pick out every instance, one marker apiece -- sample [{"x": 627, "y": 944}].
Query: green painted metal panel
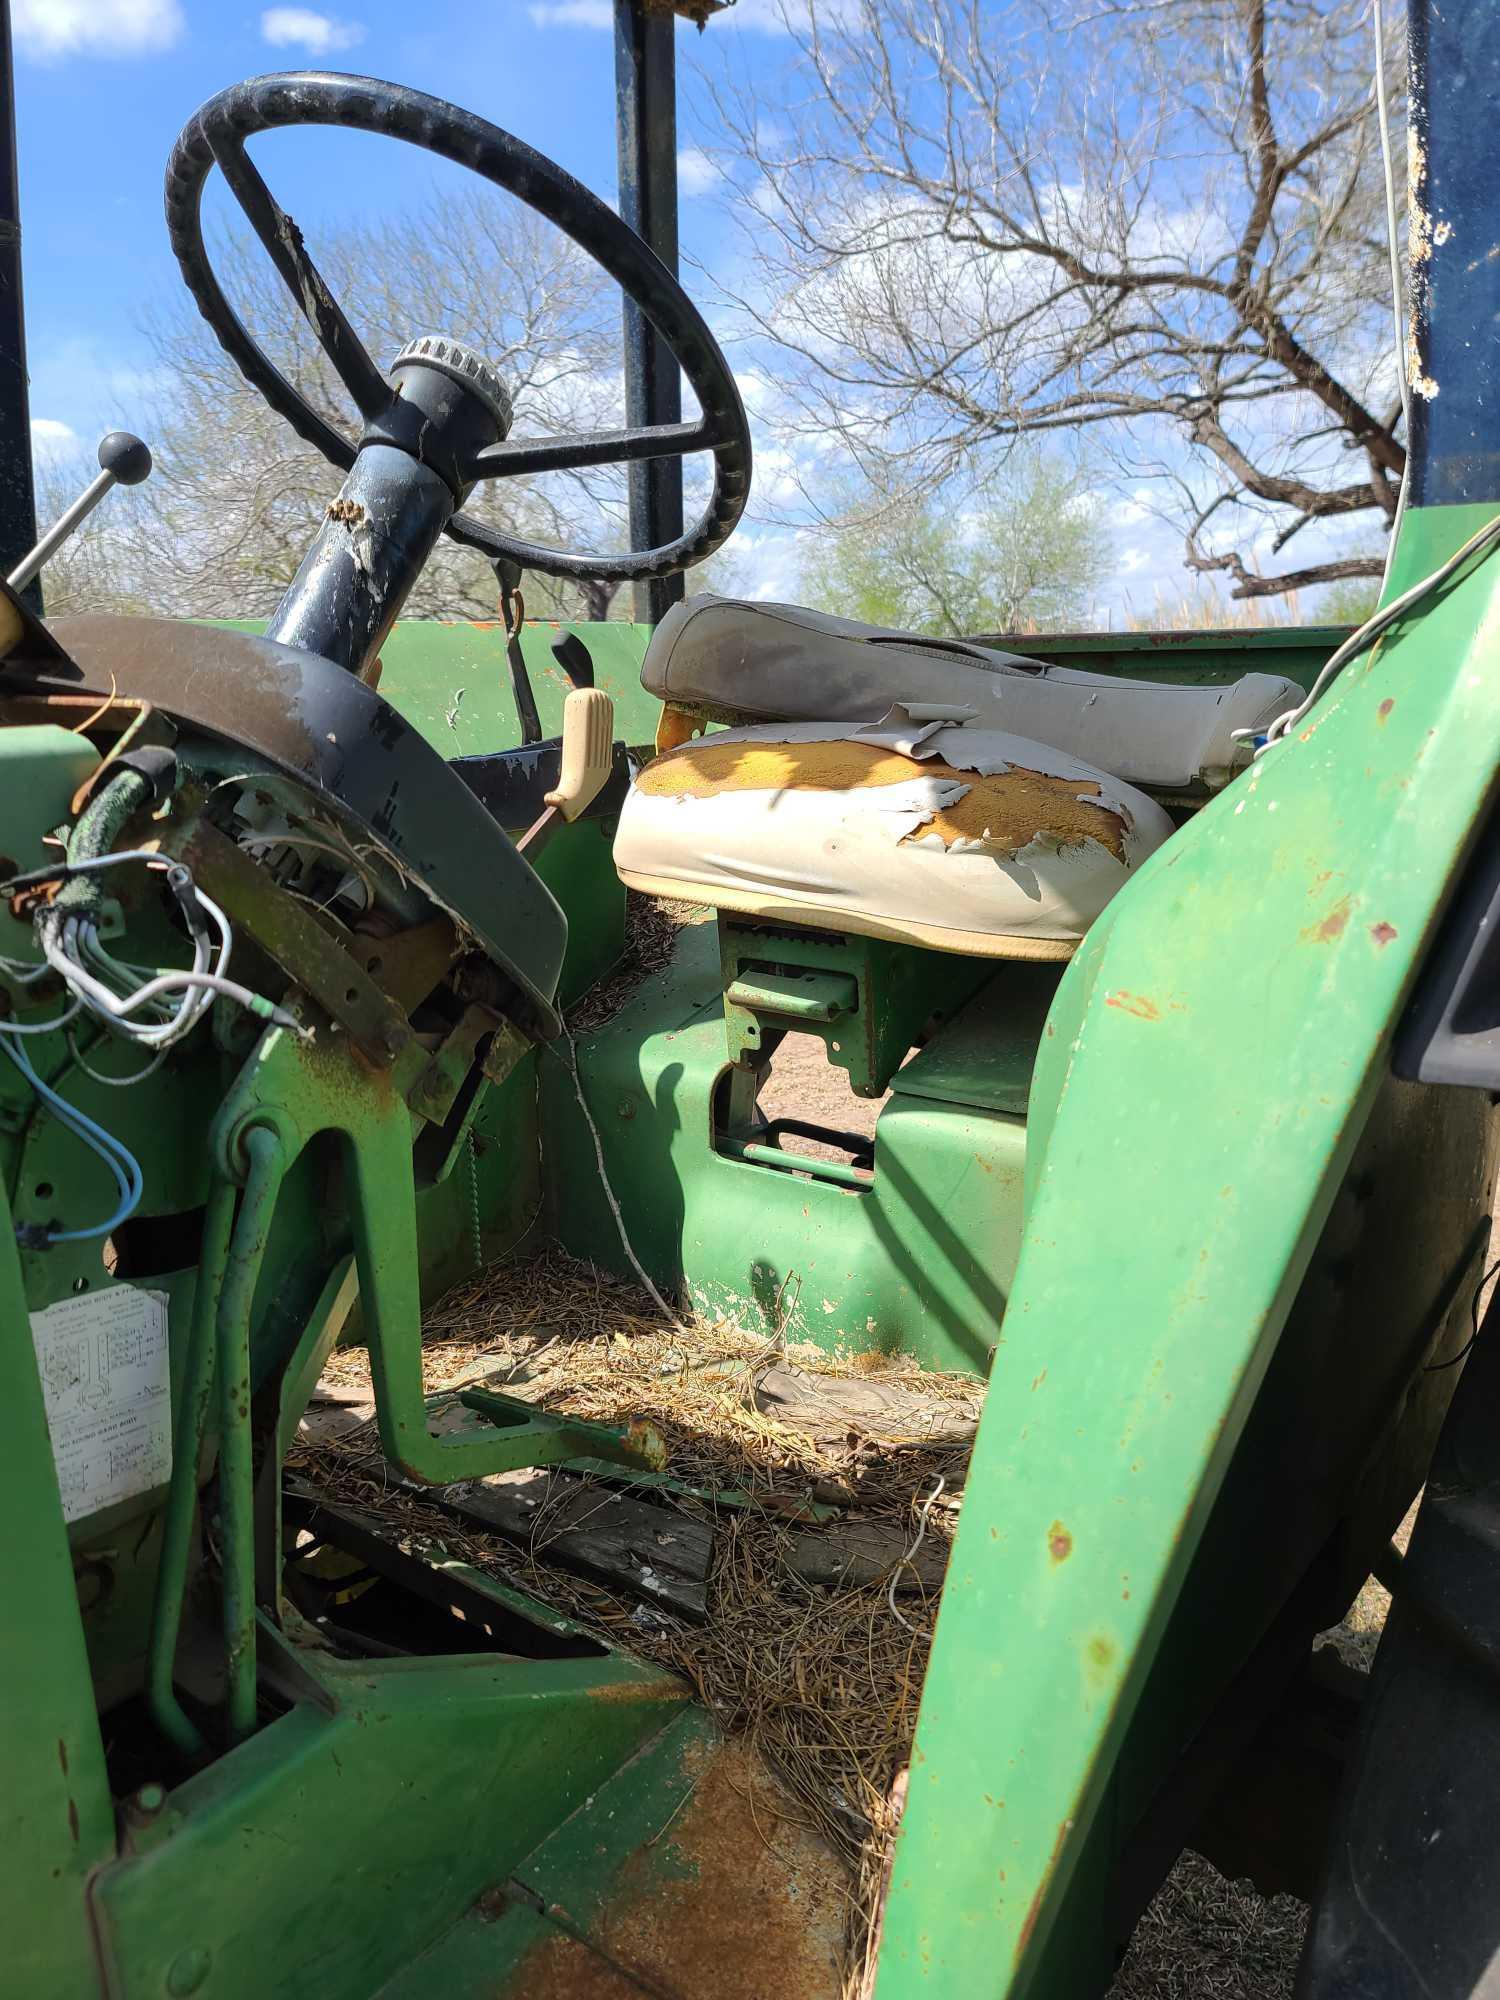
[
  {"x": 56, "y": 1814},
  {"x": 1210, "y": 1065},
  {"x": 986, "y": 1056},
  {"x": 921, "y": 1261},
  {"x": 450, "y": 679},
  {"x": 578, "y": 866},
  {"x": 1209, "y": 657},
  {"x": 334, "y": 1847},
  {"x": 608, "y": 1846}
]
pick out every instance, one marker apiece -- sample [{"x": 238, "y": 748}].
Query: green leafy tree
[{"x": 1025, "y": 552}]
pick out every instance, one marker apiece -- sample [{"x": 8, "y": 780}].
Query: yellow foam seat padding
[{"x": 955, "y": 837}]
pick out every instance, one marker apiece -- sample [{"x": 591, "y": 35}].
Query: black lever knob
[
  {"x": 126, "y": 458},
  {"x": 572, "y": 656}
]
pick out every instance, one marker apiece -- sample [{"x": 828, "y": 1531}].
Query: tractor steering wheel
[{"x": 217, "y": 135}]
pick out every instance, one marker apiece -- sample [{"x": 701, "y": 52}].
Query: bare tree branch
[{"x": 977, "y": 225}]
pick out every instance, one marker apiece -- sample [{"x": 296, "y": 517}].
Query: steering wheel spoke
[
  {"x": 287, "y": 250},
  {"x": 573, "y": 451},
  {"x": 217, "y": 136}
]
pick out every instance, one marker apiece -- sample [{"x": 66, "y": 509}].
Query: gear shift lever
[{"x": 123, "y": 461}]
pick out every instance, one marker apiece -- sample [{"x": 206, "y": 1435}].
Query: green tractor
[{"x": 1172, "y": 975}]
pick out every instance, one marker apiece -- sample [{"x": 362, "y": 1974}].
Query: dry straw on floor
[{"x": 823, "y": 1683}]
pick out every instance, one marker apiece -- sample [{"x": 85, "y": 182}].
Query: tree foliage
[
  {"x": 1026, "y": 553},
  {"x": 1161, "y": 224}
]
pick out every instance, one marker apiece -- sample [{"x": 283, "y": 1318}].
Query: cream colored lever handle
[{"x": 588, "y": 747}]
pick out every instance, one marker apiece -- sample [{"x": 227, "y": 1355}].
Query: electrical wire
[
  {"x": 122, "y": 1163},
  {"x": 43, "y": 1027},
  {"x": 1480, "y": 543},
  {"x": 1437, "y": 1367},
  {"x": 103, "y": 1076},
  {"x": 114, "y": 993}
]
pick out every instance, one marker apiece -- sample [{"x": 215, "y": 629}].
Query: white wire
[
  {"x": 1479, "y": 543},
  {"x": 21, "y": 972},
  {"x": 910, "y": 1556},
  {"x": 42, "y": 1027},
  {"x": 116, "y": 1082},
  {"x": 66, "y": 945},
  {"x": 167, "y": 982}
]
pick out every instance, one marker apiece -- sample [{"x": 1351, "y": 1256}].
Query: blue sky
[{"x": 104, "y": 86}]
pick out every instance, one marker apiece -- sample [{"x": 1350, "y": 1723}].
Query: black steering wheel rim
[{"x": 216, "y": 135}]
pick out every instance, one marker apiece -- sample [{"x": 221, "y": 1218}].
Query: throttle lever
[{"x": 585, "y": 763}]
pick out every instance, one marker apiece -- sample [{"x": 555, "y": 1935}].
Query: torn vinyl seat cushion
[
  {"x": 730, "y": 661},
  {"x": 959, "y": 838}
]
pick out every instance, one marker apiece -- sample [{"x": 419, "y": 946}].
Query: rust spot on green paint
[
  {"x": 1039, "y": 1380},
  {"x": 1042, "y": 1887},
  {"x": 1134, "y": 1003},
  {"x": 1384, "y": 709},
  {"x": 1382, "y": 933},
  {"x": 1333, "y": 925},
  {"x": 1059, "y": 1542},
  {"x": 1102, "y": 1650}
]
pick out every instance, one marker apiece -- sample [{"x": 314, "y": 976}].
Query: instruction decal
[{"x": 107, "y": 1386}]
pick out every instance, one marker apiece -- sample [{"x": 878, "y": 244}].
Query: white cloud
[
  {"x": 696, "y": 172},
  {"x": 51, "y": 438},
  {"x": 573, "y": 14},
  {"x": 52, "y": 29},
  {"x": 302, "y": 28}
]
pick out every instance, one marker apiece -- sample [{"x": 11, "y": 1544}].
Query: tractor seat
[
  {"x": 735, "y": 662},
  {"x": 957, "y": 838}
]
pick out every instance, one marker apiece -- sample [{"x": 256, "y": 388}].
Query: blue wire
[{"x": 121, "y": 1162}]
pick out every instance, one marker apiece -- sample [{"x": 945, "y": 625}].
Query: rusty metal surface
[
  {"x": 320, "y": 724},
  {"x": 299, "y": 943}
]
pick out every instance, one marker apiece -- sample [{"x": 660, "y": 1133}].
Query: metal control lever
[
  {"x": 123, "y": 461},
  {"x": 587, "y": 758},
  {"x": 574, "y": 658}
]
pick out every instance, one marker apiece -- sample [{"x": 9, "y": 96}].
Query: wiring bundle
[{"x": 152, "y": 1007}]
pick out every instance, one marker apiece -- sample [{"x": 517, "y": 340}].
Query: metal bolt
[{"x": 143, "y": 1806}]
